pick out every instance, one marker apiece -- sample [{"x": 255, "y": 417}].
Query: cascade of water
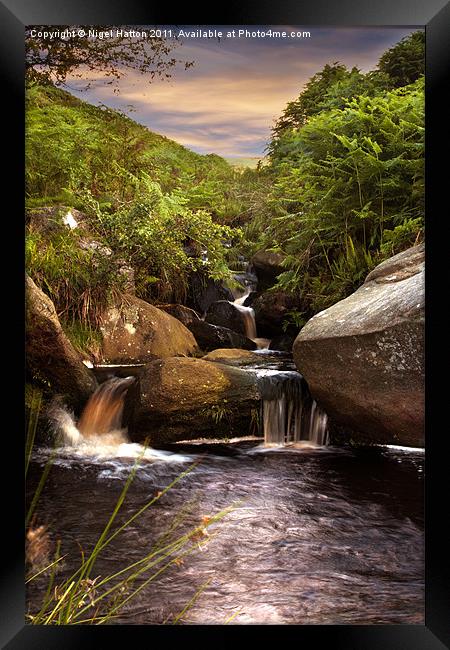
[
  {"x": 249, "y": 281},
  {"x": 289, "y": 414},
  {"x": 101, "y": 417},
  {"x": 248, "y": 316},
  {"x": 103, "y": 411}
]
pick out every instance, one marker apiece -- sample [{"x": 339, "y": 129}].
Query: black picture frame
[{"x": 435, "y": 16}]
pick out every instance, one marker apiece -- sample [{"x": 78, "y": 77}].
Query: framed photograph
[{"x": 226, "y": 353}]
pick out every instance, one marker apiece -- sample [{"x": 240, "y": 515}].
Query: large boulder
[
  {"x": 185, "y": 399},
  {"x": 363, "y": 358},
  {"x": 136, "y": 332},
  {"x": 267, "y": 266},
  {"x": 226, "y": 314},
  {"x": 210, "y": 337},
  {"x": 272, "y": 310},
  {"x": 50, "y": 355}
]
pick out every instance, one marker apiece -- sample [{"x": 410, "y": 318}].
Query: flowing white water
[
  {"x": 99, "y": 435},
  {"x": 100, "y": 424},
  {"x": 113, "y": 445},
  {"x": 249, "y": 281},
  {"x": 289, "y": 414},
  {"x": 248, "y": 316}
]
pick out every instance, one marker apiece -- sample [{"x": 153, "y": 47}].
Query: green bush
[
  {"x": 349, "y": 190},
  {"x": 164, "y": 240},
  {"x": 81, "y": 282}
]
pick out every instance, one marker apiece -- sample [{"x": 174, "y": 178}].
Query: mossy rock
[{"x": 184, "y": 399}]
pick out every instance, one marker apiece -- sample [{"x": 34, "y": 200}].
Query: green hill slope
[{"x": 74, "y": 148}]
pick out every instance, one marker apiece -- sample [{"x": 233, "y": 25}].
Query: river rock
[
  {"x": 210, "y": 337},
  {"x": 252, "y": 296},
  {"x": 363, "y": 358},
  {"x": 272, "y": 310},
  {"x": 203, "y": 291},
  {"x": 181, "y": 313},
  {"x": 283, "y": 343},
  {"x": 267, "y": 266},
  {"x": 50, "y": 355},
  {"x": 135, "y": 332},
  {"x": 226, "y": 314},
  {"x": 232, "y": 357},
  {"x": 185, "y": 399}
]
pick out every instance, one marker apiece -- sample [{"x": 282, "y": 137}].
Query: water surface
[{"x": 318, "y": 536}]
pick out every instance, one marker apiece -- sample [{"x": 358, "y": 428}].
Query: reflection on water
[{"x": 318, "y": 535}]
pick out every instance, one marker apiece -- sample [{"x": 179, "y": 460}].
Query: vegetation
[
  {"x": 347, "y": 175},
  {"x": 83, "y": 599},
  {"x": 151, "y": 205},
  {"x": 342, "y": 188},
  {"x": 54, "y": 57},
  {"x": 352, "y": 192},
  {"x": 405, "y": 62}
]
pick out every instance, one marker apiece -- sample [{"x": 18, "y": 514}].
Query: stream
[{"x": 316, "y": 534}]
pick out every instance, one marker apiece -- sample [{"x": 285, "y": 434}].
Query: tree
[
  {"x": 51, "y": 59},
  {"x": 405, "y": 62},
  {"x": 297, "y": 112}
]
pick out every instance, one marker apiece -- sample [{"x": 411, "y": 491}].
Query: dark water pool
[{"x": 323, "y": 536}]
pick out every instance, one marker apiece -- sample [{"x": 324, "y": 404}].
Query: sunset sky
[{"x": 228, "y": 102}]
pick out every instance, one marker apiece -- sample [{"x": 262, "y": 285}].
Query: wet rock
[
  {"x": 135, "y": 332},
  {"x": 232, "y": 357},
  {"x": 248, "y": 302},
  {"x": 203, "y": 291},
  {"x": 284, "y": 343},
  {"x": 181, "y": 313},
  {"x": 50, "y": 355},
  {"x": 210, "y": 337},
  {"x": 267, "y": 266},
  {"x": 272, "y": 310},
  {"x": 184, "y": 399},
  {"x": 363, "y": 358},
  {"x": 226, "y": 314}
]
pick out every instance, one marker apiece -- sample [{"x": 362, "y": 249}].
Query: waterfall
[
  {"x": 103, "y": 412},
  {"x": 100, "y": 419},
  {"x": 248, "y": 316},
  {"x": 289, "y": 413},
  {"x": 249, "y": 281}
]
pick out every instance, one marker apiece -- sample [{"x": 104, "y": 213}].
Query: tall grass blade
[
  {"x": 193, "y": 600},
  {"x": 35, "y": 407}
]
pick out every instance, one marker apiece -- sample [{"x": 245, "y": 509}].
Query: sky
[{"x": 228, "y": 102}]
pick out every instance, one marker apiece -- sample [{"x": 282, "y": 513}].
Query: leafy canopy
[{"x": 55, "y": 59}]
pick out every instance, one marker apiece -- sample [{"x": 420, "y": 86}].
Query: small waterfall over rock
[
  {"x": 249, "y": 281},
  {"x": 289, "y": 414},
  {"x": 104, "y": 409},
  {"x": 248, "y": 316},
  {"x": 101, "y": 418}
]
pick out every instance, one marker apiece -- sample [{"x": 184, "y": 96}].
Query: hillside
[
  {"x": 241, "y": 162},
  {"x": 74, "y": 147}
]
